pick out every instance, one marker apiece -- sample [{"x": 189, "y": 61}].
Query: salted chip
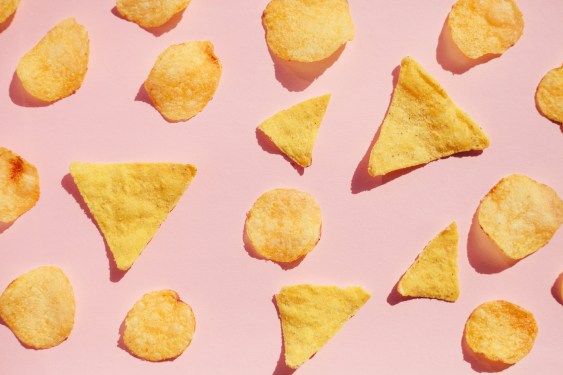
[
  {"x": 423, "y": 124},
  {"x": 481, "y": 27},
  {"x": 284, "y": 225},
  {"x": 57, "y": 65},
  {"x": 307, "y": 30},
  {"x": 159, "y": 326},
  {"x": 184, "y": 79},
  {"x": 7, "y": 8},
  {"x": 130, "y": 201},
  {"x": 39, "y": 307},
  {"x": 549, "y": 95},
  {"x": 150, "y": 13}
]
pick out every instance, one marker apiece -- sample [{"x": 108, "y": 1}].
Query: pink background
[{"x": 373, "y": 228}]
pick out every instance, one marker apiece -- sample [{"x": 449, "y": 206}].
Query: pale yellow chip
[
  {"x": 434, "y": 274},
  {"x": 311, "y": 315},
  {"x": 150, "y": 13},
  {"x": 39, "y": 307},
  {"x": 184, "y": 79},
  {"x": 307, "y": 30},
  {"x": 549, "y": 96},
  {"x": 130, "y": 201},
  {"x": 423, "y": 124},
  {"x": 520, "y": 215},
  {"x": 294, "y": 130},
  {"x": 284, "y": 225},
  {"x": 159, "y": 326},
  {"x": 57, "y": 65},
  {"x": 7, "y": 8},
  {"x": 482, "y": 27}
]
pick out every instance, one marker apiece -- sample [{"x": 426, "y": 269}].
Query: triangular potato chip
[
  {"x": 434, "y": 273},
  {"x": 294, "y": 130},
  {"x": 423, "y": 124},
  {"x": 130, "y": 201},
  {"x": 311, "y": 315}
]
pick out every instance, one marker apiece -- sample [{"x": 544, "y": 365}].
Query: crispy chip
[
  {"x": 311, "y": 315},
  {"x": 549, "y": 96},
  {"x": 481, "y": 27},
  {"x": 284, "y": 225},
  {"x": 184, "y": 79},
  {"x": 39, "y": 307},
  {"x": 130, "y": 201},
  {"x": 56, "y": 66},
  {"x": 150, "y": 13},
  {"x": 159, "y": 326},
  {"x": 423, "y": 124},
  {"x": 307, "y": 30},
  {"x": 294, "y": 130},
  {"x": 434, "y": 273},
  {"x": 7, "y": 8},
  {"x": 520, "y": 215}
]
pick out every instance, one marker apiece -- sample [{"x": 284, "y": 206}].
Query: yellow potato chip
[
  {"x": 57, "y": 65},
  {"x": 520, "y": 215},
  {"x": 130, "y": 201},
  {"x": 501, "y": 331},
  {"x": 7, "y": 8},
  {"x": 159, "y": 326},
  {"x": 284, "y": 225},
  {"x": 423, "y": 124},
  {"x": 307, "y": 30},
  {"x": 549, "y": 96},
  {"x": 481, "y": 27},
  {"x": 434, "y": 273},
  {"x": 184, "y": 79},
  {"x": 150, "y": 13},
  {"x": 294, "y": 130},
  {"x": 311, "y": 315},
  {"x": 39, "y": 307}
]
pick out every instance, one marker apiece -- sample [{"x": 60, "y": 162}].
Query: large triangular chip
[
  {"x": 311, "y": 315},
  {"x": 130, "y": 201},
  {"x": 294, "y": 130},
  {"x": 434, "y": 273},
  {"x": 423, "y": 124}
]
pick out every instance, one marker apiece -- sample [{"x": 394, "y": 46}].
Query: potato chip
[
  {"x": 39, "y": 307},
  {"x": 481, "y": 27},
  {"x": 311, "y": 315},
  {"x": 150, "y": 13},
  {"x": 423, "y": 124},
  {"x": 7, "y": 8},
  {"x": 520, "y": 215},
  {"x": 307, "y": 30},
  {"x": 57, "y": 65},
  {"x": 549, "y": 96},
  {"x": 159, "y": 326},
  {"x": 284, "y": 225},
  {"x": 184, "y": 79},
  {"x": 294, "y": 130},
  {"x": 130, "y": 201},
  {"x": 434, "y": 273}
]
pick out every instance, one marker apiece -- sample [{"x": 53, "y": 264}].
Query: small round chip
[
  {"x": 549, "y": 96},
  {"x": 159, "y": 326},
  {"x": 7, "y": 8},
  {"x": 150, "y": 13},
  {"x": 284, "y": 225}
]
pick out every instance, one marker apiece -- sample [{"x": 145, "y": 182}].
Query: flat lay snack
[
  {"x": 7, "y": 8},
  {"x": 549, "y": 95},
  {"x": 150, "y": 13}
]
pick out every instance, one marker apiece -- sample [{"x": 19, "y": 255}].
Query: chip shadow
[
  {"x": 270, "y": 147},
  {"x": 478, "y": 362},
  {"x": 394, "y": 297},
  {"x": 159, "y": 30},
  {"x": 556, "y": 289},
  {"x": 281, "y": 367},
  {"x": 7, "y": 22},
  {"x": 5, "y": 226},
  {"x": 21, "y": 97}
]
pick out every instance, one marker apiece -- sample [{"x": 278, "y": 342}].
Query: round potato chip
[
  {"x": 481, "y": 27},
  {"x": 549, "y": 96},
  {"x": 150, "y": 13},
  {"x": 159, "y": 326},
  {"x": 7, "y": 8},
  {"x": 307, "y": 30},
  {"x": 284, "y": 225},
  {"x": 184, "y": 79}
]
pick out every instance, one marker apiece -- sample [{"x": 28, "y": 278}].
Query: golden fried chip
[
  {"x": 423, "y": 124},
  {"x": 520, "y": 215},
  {"x": 7, "y": 8},
  {"x": 434, "y": 273},
  {"x": 184, "y": 79},
  {"x": 284, "y": 225},
  {"x": 150, "y": 13},
  {"x": 481, "y": 27},
  {"x": 130, "y": 201},
  {"x": 159, "y": 326},
  {"x": 501, "y": 331},
  {"x": 294, "y": 130},
  {"x": 311, "y": 315},
  {"x": 39, "y": 307},
  {"x": 549, "y": 96},
  {"x": 56, "y": 66},
  {"x": 307, "y": 30}
]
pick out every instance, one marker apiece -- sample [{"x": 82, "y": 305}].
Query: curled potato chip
[
  {"x": 284, "y": 225},
  {"x": 150, "y": 13},
  {"x": 57, "y": 65},
  {"x": 307, "y": 30},
  {"x": 549, "y": 96},
  {"x": 159, "y": 326},
  {"x": 39, "y": 307},
  {"x": 7, "y": 8}
]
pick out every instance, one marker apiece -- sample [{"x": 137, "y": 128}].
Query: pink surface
[{"x": 373, "y": 228}]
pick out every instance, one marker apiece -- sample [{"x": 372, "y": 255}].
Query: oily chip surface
[
  {"x": 7, "y": 8},
  {"x": 150, "y": 13},
  {"x": 549, "y": 95}
]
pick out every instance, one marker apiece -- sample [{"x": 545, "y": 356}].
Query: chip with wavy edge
[
  {"x": 150, "y": 13},
  {"x": 549, "y": 95},
  {"x": 7, "y": 8}
]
